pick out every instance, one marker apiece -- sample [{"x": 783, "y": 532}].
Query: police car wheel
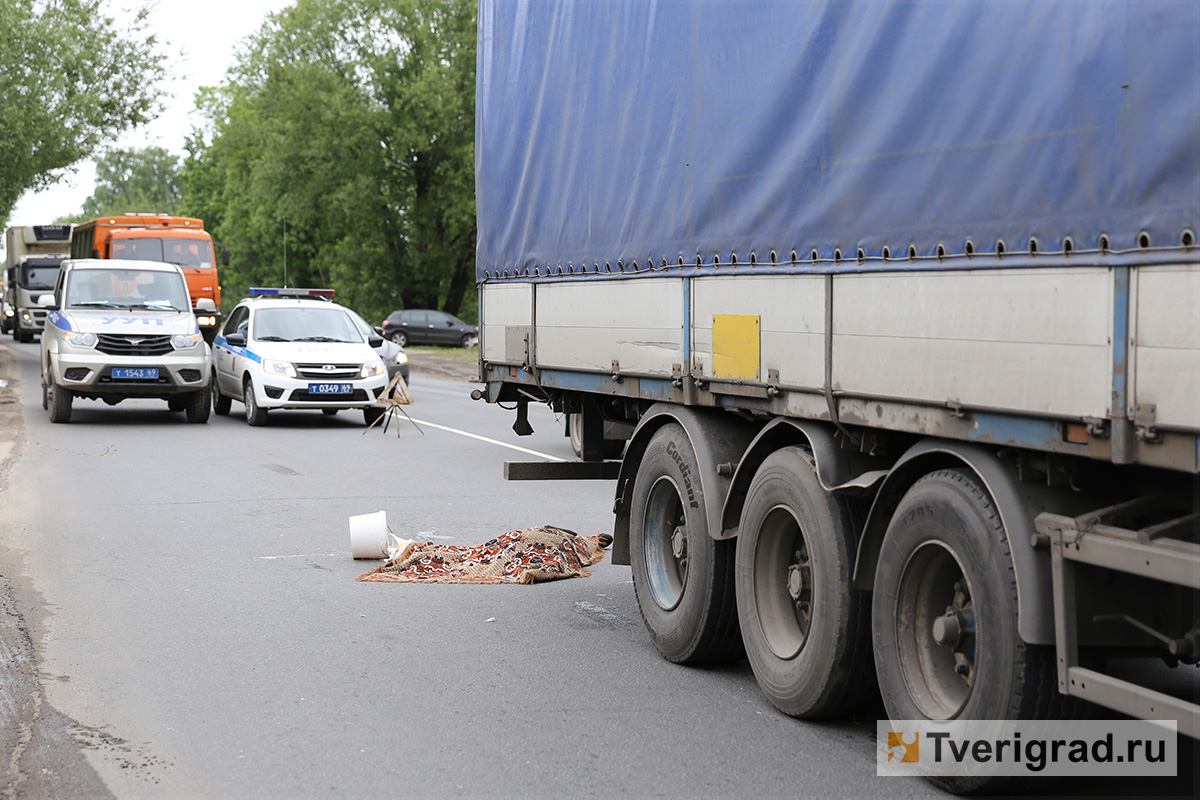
[
  {"x": 60, "y": 402},
  {"x": 329, "y": 412},
  {"x": 254, "y": 414},
  {"x": 199, "y": 404},
  {"x": 221, "y": 403},
  {"x": 176, "y": 404}
]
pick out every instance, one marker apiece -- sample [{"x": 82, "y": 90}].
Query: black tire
[
  {"x": 254, "y": 414},
  {"x": 221, "y": 403},
  {"x": 613, "y": 448},
  {"x": 575, "y": 432},
  {"x": 372, "y": 413},
  {"x": 176, "y": 404},
  {"x": 23, "y": 336},
  {"x": 329, "y": 412},
  {"x": 198, "y": 405},
  {"x": 682, "y": 577},
  {"x": 45, "y": 395},
  {"x": 59, "y": 400},
  {"x": 399, "y": 337},
  {"x": 945, "y": 557},
  {"x": 806, "y": 629}
]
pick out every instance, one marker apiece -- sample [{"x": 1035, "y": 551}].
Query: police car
[
  {"x": 295, "y": 348},
  {"x": 120, "y": 329}
]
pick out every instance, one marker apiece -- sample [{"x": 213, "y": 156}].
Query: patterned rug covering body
[{"x": 527, "y": 555}]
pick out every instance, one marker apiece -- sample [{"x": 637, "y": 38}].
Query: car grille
[
  {"x": 302, "y": 395},
  {"x": 339, "y": 371},
  {"x": 116, "y": 345}
]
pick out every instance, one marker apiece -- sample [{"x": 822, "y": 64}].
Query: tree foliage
[
  {"x": 134, "y": 180},
  {"x": 352, "y": 122},
  {"x": 71, "y": 78}
]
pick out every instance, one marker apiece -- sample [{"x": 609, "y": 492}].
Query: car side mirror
[
  {"x": 225, "y": 257},
  {"x": 237, "y": 339},
  {"x": 205, "y": 304},
  {"x": 46, "y": 301},
  {"x": 375, "y": 341}
]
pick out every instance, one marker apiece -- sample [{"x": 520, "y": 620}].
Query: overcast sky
[{"x": 199, "y": 40}]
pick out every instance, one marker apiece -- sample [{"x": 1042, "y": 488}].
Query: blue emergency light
[{"x": 289, "y": 292}]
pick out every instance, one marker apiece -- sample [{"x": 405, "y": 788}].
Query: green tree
[
  {"x": 352, "y": 121},
  {"x": 134, "y": 180},
  {"x": 71, "y": 78}
]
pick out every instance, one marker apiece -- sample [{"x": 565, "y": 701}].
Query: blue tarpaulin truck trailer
[{"x": 899, "y": 304}]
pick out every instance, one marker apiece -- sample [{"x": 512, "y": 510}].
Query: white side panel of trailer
[
  {"x": 1166, "y": 351},
  {"x": 505, "y": 306},
  {"x": 1028, "y": 340},
  {"x": 586, "y": 325},
  {"x": 791, "y": 309}
]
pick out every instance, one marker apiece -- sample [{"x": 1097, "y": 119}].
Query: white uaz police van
[{"x": 120, "y": 329}]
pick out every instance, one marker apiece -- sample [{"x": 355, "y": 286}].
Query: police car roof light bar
[{"x": 265, "y": 291}]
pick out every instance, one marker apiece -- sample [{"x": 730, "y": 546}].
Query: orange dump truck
[{"x": 159, "y": 237}]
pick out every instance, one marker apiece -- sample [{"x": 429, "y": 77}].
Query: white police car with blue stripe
[{"x": 295, "y": 348}]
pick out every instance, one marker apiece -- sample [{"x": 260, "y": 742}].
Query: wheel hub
[
  {"x": 795, "y": 581},
  {"x": 955, "y": 631},
  {"x": 947, "y": 629},
  {"x": 679, "y": 543},
  {"x": 937, "y": 650}
]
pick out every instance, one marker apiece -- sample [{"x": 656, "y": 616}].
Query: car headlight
[
  {"x": 401, "y": 357},
  {"x": 85, "y": 340},
  {"x": 206, "y": 321},
  {"x": 8, "y": 312},
  {"x": 186, "y": 341},
  {"x": 371, "y": 368},
  {"x": 278, "y": 368}
]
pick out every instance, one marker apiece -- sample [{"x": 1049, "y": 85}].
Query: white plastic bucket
[{"x": 369, "y": 535}]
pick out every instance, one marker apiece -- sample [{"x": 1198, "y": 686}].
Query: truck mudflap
[{"x": 1166, "y": 551}]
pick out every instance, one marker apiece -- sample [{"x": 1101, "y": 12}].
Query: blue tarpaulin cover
[{"x": 619, "y": 134}]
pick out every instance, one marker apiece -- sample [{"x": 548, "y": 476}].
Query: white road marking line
[
  {"x": 311, "y": 555},
  {"x": 486, "y": 439}
]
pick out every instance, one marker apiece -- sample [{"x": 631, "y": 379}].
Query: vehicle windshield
[
  {"x": 294, "y": 324},
  {"x": 363, "y": 327},
  {"x": 127, "y": 288},
  {"x": 187, "y": 253},
  {"x": 39, "y": 274}
]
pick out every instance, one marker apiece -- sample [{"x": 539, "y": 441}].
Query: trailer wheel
[
  {"x": 60, "y": 401},
  {"x": 612, "y": 447},
  {"x": 945, "y": 616},
  {"x": 682, "y": 577},
  {"x": 805, "y": 628}
]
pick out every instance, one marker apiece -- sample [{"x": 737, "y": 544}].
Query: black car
[{"x": 428, "y": 326}]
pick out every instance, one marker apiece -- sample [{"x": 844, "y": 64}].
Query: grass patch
[{"x": 467, "y": 355}]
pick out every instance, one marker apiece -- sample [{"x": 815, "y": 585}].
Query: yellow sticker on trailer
[{"x": 736, "y": 346}]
